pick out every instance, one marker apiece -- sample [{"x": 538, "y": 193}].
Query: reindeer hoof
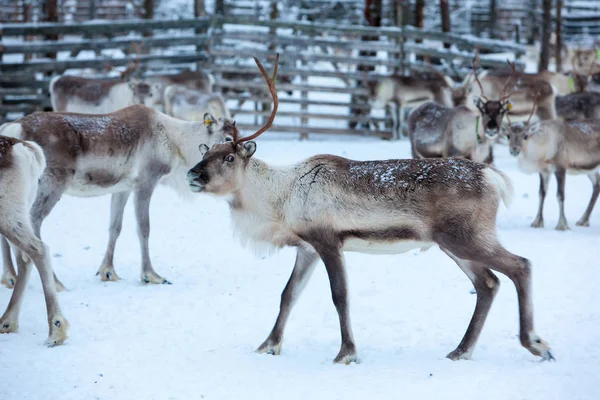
[
  {"x": 58, "y": 331},
  {"x": 153, "y": 277},
  {"x": 107, "y": 273},
  {"x": 459, "y": 354},
  {"x": 7, "y": 326},
  {"x": 269, "y": 347},
  {"x": 346, "y": 355},
  {"x": 583, "y": 223},
  {"x": 537, "y": 224},
  {"x": 539, "y": 347},
  {"x": 562, "y": 227},
  {"x": 8, "y": 280}
]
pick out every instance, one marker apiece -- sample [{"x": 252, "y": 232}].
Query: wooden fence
[{"x": 318, "y": 67}]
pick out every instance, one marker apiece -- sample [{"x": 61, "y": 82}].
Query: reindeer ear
[
  {"x": 247, "y": 149},
  {"x": 203, "y": 149},
  {"x": 478, "y": 103},
  {"x": 209, "y": 120}
]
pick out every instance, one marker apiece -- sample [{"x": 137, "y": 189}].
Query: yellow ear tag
[
  {"x": 509, "y": 106},
  {"x": 207, "y": 122}
]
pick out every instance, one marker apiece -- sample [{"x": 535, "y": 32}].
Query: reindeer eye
[{"x": 229, "y": 158}]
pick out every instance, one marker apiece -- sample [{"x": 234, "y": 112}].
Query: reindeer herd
[{"x": 128, "y": 135}]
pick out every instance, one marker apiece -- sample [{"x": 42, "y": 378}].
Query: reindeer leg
[
  {"x": 306, "y": 259},
  {"x": 485, "y": 250},
  {"x": 9, "y": 276},
  {"x": 49, "y": 193},
  {"x": 486, "y": 286},
  {"x": 560, "y": 195},
  {"x": 539, "y": 219},
  {"x": 31, "y": 248},
  {"x": 9, "y": 322},
  {"x": 117, "y": 207},
  {"x": 142, "y": 199},
  {"x": 585, "y": 219},
  {"x": 333, "y": 258}
]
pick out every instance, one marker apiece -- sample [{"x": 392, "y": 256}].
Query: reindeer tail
[{"x": 501, "y": 183}]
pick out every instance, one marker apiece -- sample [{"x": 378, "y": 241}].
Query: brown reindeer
[
  {"x": 22, "y": 164},
  {"x": 582, "y": 104},
  {"x": 131, "y": 150},
  {"x": 326, "y": 205},
  {"x": 439, "y": 131},
  {"x": 494, "y": 82},
  {"x": 560, "y": 147}
]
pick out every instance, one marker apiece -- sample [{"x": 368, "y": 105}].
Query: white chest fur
[{"x": 371, "y": 247}]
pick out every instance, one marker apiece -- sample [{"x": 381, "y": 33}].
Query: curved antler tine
[
  {"x": 271, "y": 83},
  {"x": 503, "y": 95},
  {"x": 534, "y": 99},
  {"x": 475, "y": 64},
  {"x": 236, "y": 133}
]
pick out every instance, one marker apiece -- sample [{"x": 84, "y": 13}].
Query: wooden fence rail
[{"x": 318, "y": 73}]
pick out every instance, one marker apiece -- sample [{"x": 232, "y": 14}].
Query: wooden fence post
[
  {"x": 445, "y": 13},
  {"x": 546, "y": 32},
  {"x": 559, "y": 43}
]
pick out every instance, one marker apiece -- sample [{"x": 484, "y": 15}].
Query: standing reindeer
[
  {"x": 398, "y": 91},
  {"x": 21, "y": 166},
  {"x": 131, "y": 150},
  {"x": 193, "y": 80},
  {"x": 582, "y": 104},
  {"x": 439, "y": 131},
  {"x": 101, "y": 96},
  {"x": 326, "y": 205},
  {"x": 527, "y": 86},
  {"x": 558, "y": 147}
]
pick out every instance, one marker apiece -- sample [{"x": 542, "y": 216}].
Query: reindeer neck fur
[{"x": 257, "y": 207}]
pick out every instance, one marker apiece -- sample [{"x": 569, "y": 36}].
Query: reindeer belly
[
  {"x": 96, "y": 180},
  {"x": 384, "y": 247}
]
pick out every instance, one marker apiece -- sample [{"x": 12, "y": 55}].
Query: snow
[{"x": 195, "y": 339}]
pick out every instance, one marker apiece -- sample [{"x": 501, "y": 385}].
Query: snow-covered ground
[{"x": 195, "y": 339}]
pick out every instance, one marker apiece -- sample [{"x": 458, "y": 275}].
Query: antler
[
  {"x": 475, "y": 64},
  {"x": 534, "y": 99},
  {"x": 131, "y": 68},
  {"x": 503, "y": 95},
  {"x": 271, "y": 83}
]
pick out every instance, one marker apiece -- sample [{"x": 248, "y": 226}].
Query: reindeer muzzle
[{"x": 196, "y": 181}]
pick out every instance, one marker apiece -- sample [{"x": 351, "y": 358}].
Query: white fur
[
  {"x": 363, "y": 246},
  {"x": 501, "y": 183}
]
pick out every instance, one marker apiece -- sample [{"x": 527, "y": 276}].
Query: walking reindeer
[
  {"x": 439, "y": 131},
  {"x": 131, "y": 150},
  {"x": 22, "y": 164},
  {"x": 558, "y": 147},
  {"x": 326, "y": 205}
]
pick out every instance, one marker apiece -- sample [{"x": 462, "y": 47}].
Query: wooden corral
[{"x": 311, "y": 54}]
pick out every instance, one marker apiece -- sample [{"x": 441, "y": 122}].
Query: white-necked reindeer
[
  {"x": 439, "y": 131},
  {"x": 326, "y": 205},
  {"x": 398, "y": 91},
  {"x": 558, "y": 147},
  {"x": 191, "y": 105},
  {"x": 131, "y": 150},
  {"x": 582, "y": 104},
  {"x": 22, "y": 164}
]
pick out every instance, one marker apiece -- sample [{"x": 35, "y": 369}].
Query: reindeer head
[
  {"x": 518, "y": 133},
  {"x": 221, "y": 170},
  {"x": 144, "y": 92},
  {"x": 493, "y": 111}
]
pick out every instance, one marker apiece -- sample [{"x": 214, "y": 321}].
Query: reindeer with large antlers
[
  {"x": 327, "y": 204},
  {"x": 439, "y": 131},
  {"x": 560, "y": 147},
  {"x": 524, "y": 86}
]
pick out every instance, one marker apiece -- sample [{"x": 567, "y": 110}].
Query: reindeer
[
  {"x": 130, "y": 150},
  {"x": 101, "y": 96},
  {"x": 527, "y": 85},
  {"x": 560, "y": 147},
  {"x": 22, "y": 164},
  {"x": 439, "y": 131},
  {"x": 398, "y": 91},
  {"x": 326, "y": 205},
  {"x": 191, "y": 105},
  {"x": 582, "y": 104}
]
